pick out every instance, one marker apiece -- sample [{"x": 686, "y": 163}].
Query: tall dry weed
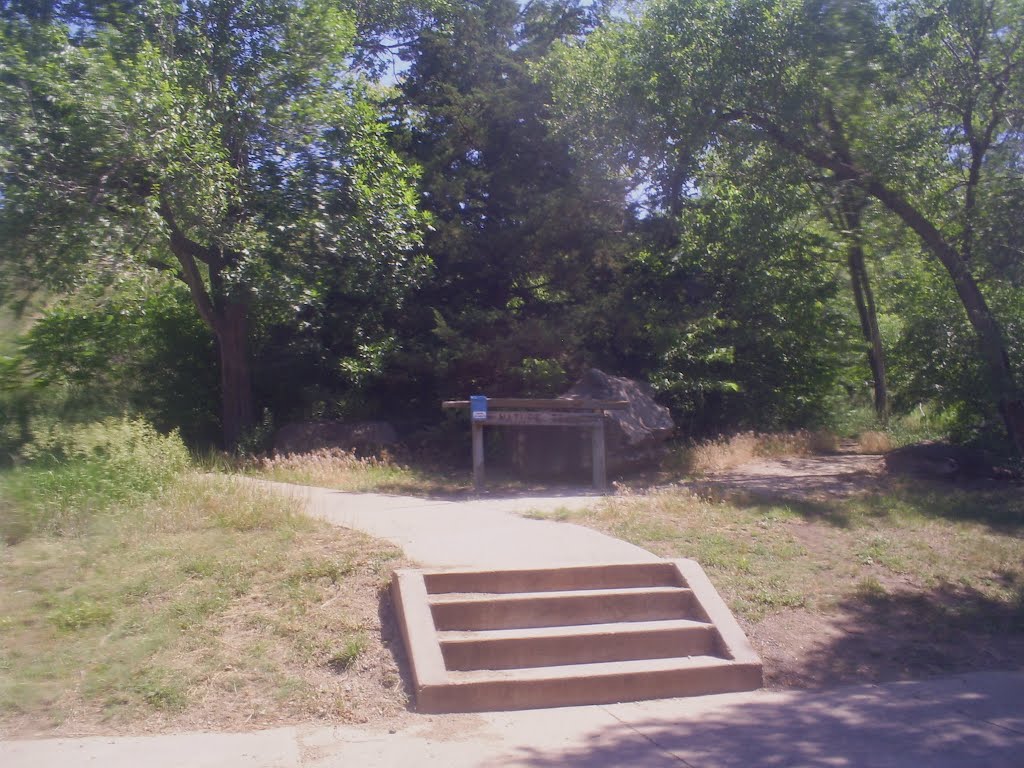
[
  {"x": 874, "y": 443},
  {"x": 331, "y": 467},
  {"x": 727, "y": 453}
]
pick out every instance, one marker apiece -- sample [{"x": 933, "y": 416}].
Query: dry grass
[
  {"x": 344, "y": 471},
  {"x": 730, "y": 452},
  {"x": 914, "y": 581},
  {"x": 874, "y": 443},
  {"x": 213, "y": 606},
  {"x": 766, "y": 554}
]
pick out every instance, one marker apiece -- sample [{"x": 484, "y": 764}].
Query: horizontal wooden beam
[
  {"x": 544, "y": 404},
  {"x": 540, "y": 419}
]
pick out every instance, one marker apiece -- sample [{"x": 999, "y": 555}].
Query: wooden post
[
  {"x": 597, "y": 455},
  {"x": 478, "y": 456}
]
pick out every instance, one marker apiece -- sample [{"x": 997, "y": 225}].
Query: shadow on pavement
[{"x": 905, "y": 725}]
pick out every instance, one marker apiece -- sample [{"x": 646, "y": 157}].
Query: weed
[
  {"x": 315, "y": 570},
  {"x": 879, "y": 551},
  {"x": 729, "y": 452},
  {"x": 160, "y": 688},
  {"x": 343, "y": 470},
  {"x": 873, "y": 443},
  {"x": 354, "y": 647},
  {"x": 75, "y": 473},
  {"x": 870, "y": 588},
  {"x": 81, "y": 612}
]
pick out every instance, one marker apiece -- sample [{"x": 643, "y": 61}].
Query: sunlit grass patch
[
  {"x": 213, "y": 602},
  {"x": 72, "y": 473},
  {"x": 726, "y": 453},
  {"x": 767, "y": 557},
  {"x": 345, "y": 471}
]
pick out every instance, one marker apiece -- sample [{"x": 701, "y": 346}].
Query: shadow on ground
[
  {"x": 955, "y": 723},
  {"x": 391, "y": 637},
  {"x": 996, "y": 504},
  {"x": 903, "y": 635}
]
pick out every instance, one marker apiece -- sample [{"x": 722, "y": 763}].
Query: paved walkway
[
  {"x": 964, "y": 721},
  {"x": 489, "y": 532}
]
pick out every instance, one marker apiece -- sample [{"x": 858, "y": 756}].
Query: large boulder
[
  {"x": 634, "y": 437},
  {"x": 363, "y": 437}
]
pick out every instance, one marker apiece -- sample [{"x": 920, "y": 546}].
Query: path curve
[{"x": 475, "y": 533}]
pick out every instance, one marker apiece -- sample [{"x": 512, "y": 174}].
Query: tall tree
[
  {"x": 224, "y": 142},
  {"x": 844, "y": 209},
  {"x": 906, "y": 102},
  {"x": 524, "y": 241}
]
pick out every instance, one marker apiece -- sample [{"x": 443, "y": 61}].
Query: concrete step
[
  {"x": 589, "y": 643},
  {"x": 614, "y": 576},
  {"x": 486, "y": 640},
  {"x": 579, "y": 684},
  {"x": 462, "y": 611}
]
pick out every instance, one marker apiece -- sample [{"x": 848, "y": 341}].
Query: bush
[
  {"x": 138, "y": 348},
  {"x": 73, "y": 472}
]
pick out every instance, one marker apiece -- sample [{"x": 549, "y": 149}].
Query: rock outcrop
[{"x": 634, "y": 437}]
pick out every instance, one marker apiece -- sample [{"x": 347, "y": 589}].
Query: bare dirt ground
[
  {"x": 910, "y": 630},
  {"x": 803, "y": 477}
]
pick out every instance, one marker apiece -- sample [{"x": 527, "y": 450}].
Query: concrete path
[
  {"x": 971, "y": 721},
  {"x": 479, "y": 533},
  {"x": 964, "y": 721}
]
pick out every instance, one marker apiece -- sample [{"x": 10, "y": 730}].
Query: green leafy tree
[
  {"x": 910, "y": 103},
  {"x": 526, "y": 243},
  {"x": 745, "y": 327},
  {"x": 226, "y": 143},
  {"x": 137, "y": 346}
]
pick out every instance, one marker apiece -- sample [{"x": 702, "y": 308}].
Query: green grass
[
  {"x": 922, "y": 423},
  {"x": 12, "y": 325},
  {"x": 774, "y": 555},
  {"x": 74, "y": 473},
  {"x": 202, "y": 600}
]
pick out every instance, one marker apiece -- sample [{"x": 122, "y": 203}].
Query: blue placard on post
[{"x": 478, "y": 407}]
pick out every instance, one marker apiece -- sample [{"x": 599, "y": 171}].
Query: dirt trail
[{"x": 810, "y": 477}]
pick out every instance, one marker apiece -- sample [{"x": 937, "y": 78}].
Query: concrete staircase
[{"x": 519, "y": 639}]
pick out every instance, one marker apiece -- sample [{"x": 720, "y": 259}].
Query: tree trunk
[
  {"x": 986, "y": 327},
  {"x": 864, "y": 298},
  {"x": 229, "y": 322},
  {"x": 1013, "y": 416},
  {"x": 232, "y": 331}
]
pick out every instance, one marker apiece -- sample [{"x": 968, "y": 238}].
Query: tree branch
[{"x": 186, "y": 251}]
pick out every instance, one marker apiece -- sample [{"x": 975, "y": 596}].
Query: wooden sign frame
[{"x": 523, "y": 412}]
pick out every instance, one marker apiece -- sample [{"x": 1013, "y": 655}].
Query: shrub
[{"x": 73, "y": 472}]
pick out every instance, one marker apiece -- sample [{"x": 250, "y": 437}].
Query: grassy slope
[
  {"x": 915, "y": 581},
  {"x": 209, "y": 605}
]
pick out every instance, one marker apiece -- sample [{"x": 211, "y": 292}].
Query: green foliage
[
  {"x": 938, "y": 356},
  {"x": 756, "y": 339},
  {"x": 138, "y": 347},
  {"x": 344, "y": 658},
  {"x": 227, "y": 144},
  {"x": 72, "y": 473},
  {"x": 916, "y": 104},
  {"x": 525, "y": 243},
  {"x": 546, "y": 186}
]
